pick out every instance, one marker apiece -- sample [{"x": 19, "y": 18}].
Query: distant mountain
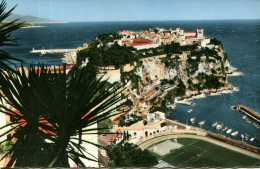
[{"x": 27, "y": 18}]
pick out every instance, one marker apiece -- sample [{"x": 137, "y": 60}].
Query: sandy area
[{"x": 164, "y": 147}]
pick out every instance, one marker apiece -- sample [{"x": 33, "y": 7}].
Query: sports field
[{"x": 199, "y": 153}]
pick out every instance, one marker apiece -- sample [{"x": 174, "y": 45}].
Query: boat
[
  {"x": 214, "y": 124},
  {"x": 225, "y": 128},
  {"x": 255, "y": 124},
  {"x": 252, "y": 139},
  {"x": 234, "y": 133},
  {"x": 219, "y": 126},
  {"x": 246, "y": 136},
  {"x": 202, "y": 122},
  {"x": 248, "y": 121},
  {"x": 189, "y": 110},
  {"x": 244, "y": 117},
  {"x": 242, "y": 135},
  {"x": 229, "y": 131},
  {"x": 192, "y": 120}
]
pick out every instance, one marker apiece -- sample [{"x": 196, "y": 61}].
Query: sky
[{"x": 137, "y": 10}]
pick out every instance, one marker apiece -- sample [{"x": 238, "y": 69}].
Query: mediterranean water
[{"x": 241, "y": 40}]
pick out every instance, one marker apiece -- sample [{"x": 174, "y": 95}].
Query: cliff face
[{"x": 192, "y": 69}]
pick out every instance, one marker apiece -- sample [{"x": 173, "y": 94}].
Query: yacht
[
  {"x": 225, "y": 128},
  {"x": 242, "y": 136},
  {"x": 214, "y": 124},
  {"x": 229, "y": 131},
  {"x": 234, "y": 133},
  {"x": 190, "y": 110},
  {"x": 246, "y": 136},
  {"x": 202, "y": 122},
  {"x": 219, "y": 126},
  {"x": 192, "y": 120},
  {"x": 252, "y": 139},
  {"x": 248, "y": 121}
]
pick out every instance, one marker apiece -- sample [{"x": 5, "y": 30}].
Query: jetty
[
  {"x": 44, "y": 51},
  {"x": 249, "y": 112}
]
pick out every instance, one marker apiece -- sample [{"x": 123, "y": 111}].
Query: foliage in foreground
[
  {"x": 5, "y": 39},
  {"x": 53, "y": 112},
  {"x": 129, "y": 155}
]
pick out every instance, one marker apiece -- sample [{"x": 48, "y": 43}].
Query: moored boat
[
  {"x": 192, "y": 120},
  {"x": 219, "y": 126},
  {"x": 225, "y": 128},
  {"x": 214, "y": 124},
  {"x": 229, "y": 131},
  {"x": 190, "y": 110},
  {"x": 202, "y": 122},
  {"x": 234, "y": 133}
]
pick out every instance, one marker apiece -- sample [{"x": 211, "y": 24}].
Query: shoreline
[{"x": 33, "y": 27}]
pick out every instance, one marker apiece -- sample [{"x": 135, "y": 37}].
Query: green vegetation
[
  {"x": 22, "y": 24},
  {"x": 5, "y": 39},
  {"x": 5, "y": 147},
  {"x": 216, "y": 42},
  {"x": 109, "y": 37},
  {"x": 206, "y": 82},
  {"x": 129, "y": 155},
  {"x": 135, "y": 119},
  {"x": 199, "y": 153},
  {"x": 105, "y": 125},
  {"x": 104, "y": 55}
]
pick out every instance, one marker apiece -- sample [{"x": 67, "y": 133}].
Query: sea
[{"x": 241, "y": 40}]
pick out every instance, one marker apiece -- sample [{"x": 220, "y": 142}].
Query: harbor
[
  {"x": 44, "y": 51},
  {"x": 249, "y": 112}
]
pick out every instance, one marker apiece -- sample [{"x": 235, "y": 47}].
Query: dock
[
  {"x": 249, "y": 112},
  {"x": 44, "y": 51}
]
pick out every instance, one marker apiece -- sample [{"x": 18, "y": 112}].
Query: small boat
[
  {"x": 234, "y": 133},
  {"x": 190, "y": 110},
  {"x": 229, "y": 131},
  {"x": 214, "y": 124},
  {"x": 255, "y": 124},
  {"x": 202, "y": 122},
  {"x": 252, "y": 139},
  {"x": 219, "y": 126},
  {"x": 225, "y": 128},
  {"x": 192, "y": 120},
  {"x": 248, "y": 121},
  {"x": 244, "y": 117},
  {"x": 246, "y": 137},
  {"x": 242, "y": 136}
]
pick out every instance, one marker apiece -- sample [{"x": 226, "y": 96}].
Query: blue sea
[{"x": 241, "y": 40}]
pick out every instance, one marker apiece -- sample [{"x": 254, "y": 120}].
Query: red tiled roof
[
  {"x": 190, "y": 37},
  {"x": 138, "y": 40},
  {"x": 189, "y": 32},
  {"x": 165, "y": 38},
  {"x": 120, "y": 115},
  {"x": 126, "y": 41},
  {"x": 142, "y": 101}
]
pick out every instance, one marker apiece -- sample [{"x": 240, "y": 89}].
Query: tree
[
  {"x": 5, "y": 39},
  {"x": 52, "y": 112},
  {"x": 129, "y": 155},
  {"x": 105, "y": 125}
]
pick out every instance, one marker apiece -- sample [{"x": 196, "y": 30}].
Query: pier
[
  {"x": 249, "y": 112},
  {"x": 44, "y": 51}
]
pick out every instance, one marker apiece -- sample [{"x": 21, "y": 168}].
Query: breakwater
[{"x": 251, "y": 113}]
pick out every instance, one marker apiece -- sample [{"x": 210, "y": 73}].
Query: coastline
[{"x": 35, "y": 26}]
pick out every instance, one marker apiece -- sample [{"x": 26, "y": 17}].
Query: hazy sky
[{"x": 125, "y": 10}]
